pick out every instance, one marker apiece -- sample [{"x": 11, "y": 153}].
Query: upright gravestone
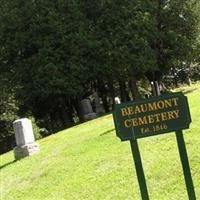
[
  {"x": 98, "y": 107},
  {"x": 25, "y": 140},
  {"x": 87, "y": 110},
  {"x": 117, "y": 100}
]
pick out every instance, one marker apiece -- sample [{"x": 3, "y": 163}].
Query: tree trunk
[
  {"x": 105, "y": 103},
  {"x": 78, "y": 108},
  {"x": 153, "y": 89},
  {"x": 103, "y": 94},
  {"x": 66, "y": 118},
  {"x": 112, "y": 92},
  {"x": 134, "y": 88},
  {"x": 123, "y": 92}
]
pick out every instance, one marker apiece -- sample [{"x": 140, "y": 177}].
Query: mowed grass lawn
[{"x": 89, "y": 162}]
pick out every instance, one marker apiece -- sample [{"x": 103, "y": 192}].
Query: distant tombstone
[
  {"x": 98, "y": 106},
  {"x": 86, "y": 106},
  {"x": 117, "y": 100},
  {"x": 26, "y": 145},
  {"x": 87, "y": 110}
]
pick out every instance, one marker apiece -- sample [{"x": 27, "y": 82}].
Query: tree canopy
[{"x": 55, "y": 53}]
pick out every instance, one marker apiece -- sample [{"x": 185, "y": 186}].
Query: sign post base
[
  {"x": 185, "y": 165},
  {"x": 139, "y": 169}
]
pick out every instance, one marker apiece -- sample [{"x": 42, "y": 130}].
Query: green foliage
[
  {"x": 195, "y": 73},
  {"x": 89, "y": 162},
  {"x": 46, "y": 54},
  {"x": 8, "y": 114},
  {"x": 121, "y": 31},
  {"x": 176, "y": 30},
  {"x": 54, "y": 52},
  {"x": 36, "y": 129}
]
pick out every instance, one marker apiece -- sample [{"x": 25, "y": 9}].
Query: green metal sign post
[
  {"x": 148, "y": 117},
  {"x": 139, "y": 169},
  {"x": 185, "y": 165}
]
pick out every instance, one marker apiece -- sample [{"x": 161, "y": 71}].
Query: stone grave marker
[
  {"x": 25, "y": 140},
  {"x": 98, "y": 107},
  {"x": 88, "y": 113}
]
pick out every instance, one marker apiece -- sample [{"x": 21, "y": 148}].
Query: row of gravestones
[
  {"x": 24, "y": 136},
  {"x": 88, "y": 112}
]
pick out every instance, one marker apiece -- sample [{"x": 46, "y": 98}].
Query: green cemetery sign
[
  {"x": 148, "y": 117},
  {"x": 152, "y": 116}
]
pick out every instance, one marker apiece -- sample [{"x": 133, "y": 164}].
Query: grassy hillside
[{"x": 89, "y": 162}]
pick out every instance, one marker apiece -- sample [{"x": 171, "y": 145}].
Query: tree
[
  {"x": 55, "y": 53},
  {"x": 47, "y": 52},
  {"x": 121, "y": 29},
  {"x": 8, "y": 113},
  {"x": 175, "y": 35}
]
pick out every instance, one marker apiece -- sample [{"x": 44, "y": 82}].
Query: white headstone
[
  {"x": 23, "y": 132},
  {"x": 25, "y": 140},
  {"x": 117, "y": 100}
]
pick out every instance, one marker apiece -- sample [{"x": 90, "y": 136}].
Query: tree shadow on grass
[
  {"x": 7, "y": 164},
  {"x": 107, "y": 132},
  {"x": 189, "y": 91}
]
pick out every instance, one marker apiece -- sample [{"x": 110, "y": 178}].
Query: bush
[
  {"x": 195, "y": 73},
  {"x": 8, "y": 114},
  {"x": 36, "y": 129}
]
